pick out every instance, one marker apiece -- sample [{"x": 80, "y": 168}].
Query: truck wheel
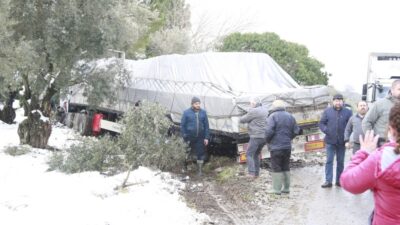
[
  {"x": 85, "y": 124},
  {"x": 76, "y": 122},
  {"x": 69, "y": 120},
  {"x": 81, "y": 124}
]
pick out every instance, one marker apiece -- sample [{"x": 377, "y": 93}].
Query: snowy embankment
[{"x": 29, "y": 194}]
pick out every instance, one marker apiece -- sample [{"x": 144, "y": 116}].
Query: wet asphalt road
[{"x": 309, "y": 204}]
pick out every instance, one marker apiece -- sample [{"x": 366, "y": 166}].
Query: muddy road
[
  {"x": 228, "y": 197},
  {"x": 310, "y": 204}
]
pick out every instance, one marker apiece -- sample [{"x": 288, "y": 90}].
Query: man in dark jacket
[
  {"x": 280, "y": 131},
  {"x": 333, "y": 123},
  {"x": 256, "y": 117},
  {"x": 195, "y": 130}
]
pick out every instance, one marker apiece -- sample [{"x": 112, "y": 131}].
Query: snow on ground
[{"x": 29, "y": 194}]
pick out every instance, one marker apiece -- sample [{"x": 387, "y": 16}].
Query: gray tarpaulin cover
[{"x": 225, "y": 82}]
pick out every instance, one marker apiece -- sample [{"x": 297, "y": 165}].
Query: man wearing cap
[
  {"x": 333, "y": 123},
  {"x": 280, "y": 130},
  {"x": 256, "y": 118},
  {"x": 195, "y": 131}
]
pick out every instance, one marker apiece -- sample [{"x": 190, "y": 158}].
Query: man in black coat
[
  {"x": 280, "y": 131},
  {"x": 333, "y": 123}
]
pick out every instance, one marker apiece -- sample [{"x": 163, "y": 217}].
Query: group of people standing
[
  {"x": 375, "y": 164},
  {"x": 276, "y": 128}
]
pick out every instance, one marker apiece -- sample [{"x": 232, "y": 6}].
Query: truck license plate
[{"x": 314, "y": 145}]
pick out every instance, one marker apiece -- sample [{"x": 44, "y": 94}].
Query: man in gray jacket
[
  {"x": 377, "y": 118},
  {"x": 354, "y": 127},
  {"x": 256, "y": 118}
]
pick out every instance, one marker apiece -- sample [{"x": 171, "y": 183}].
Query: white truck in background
[{"x": 383, "y": 68}]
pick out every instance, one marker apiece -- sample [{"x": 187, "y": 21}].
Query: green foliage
[
  {"x": 143, "y": 142},
  {"x": 226, "y": 174},
  {"x": 51, "y": 37},
  {"x": 292, "y": 57},
  {"x": 99, "y": 81},
  {"x": 170, "y": 33},
  {"x": 90, "y": 155},
  {"x": 173, "y": 13},
  {"x": 17, "y": 150},
  {"x": 42, "y": 42},
  {"x": 7, "y": 50},
  {"x": 56, "y": 161},
  {"x": 144, "y": 139}
]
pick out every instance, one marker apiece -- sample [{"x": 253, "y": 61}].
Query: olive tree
[{"x": 49, "y": 38}]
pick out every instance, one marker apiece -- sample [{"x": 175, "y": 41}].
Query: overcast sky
[{"x": 338, "y": 33}]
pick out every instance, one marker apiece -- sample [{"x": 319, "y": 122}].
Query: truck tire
[
  {"x": 85, "y": 124},
  {"x": 76, "y": 121},
  {"x": 81, "y": 124},
  {"x": 69, "y": 120}
]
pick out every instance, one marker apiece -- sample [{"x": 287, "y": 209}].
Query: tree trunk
[
  {"x": 34, "y": 131},
  {"x": 7, "y": 115},
  {"x": 46, "y": 102},
  {"x": 27, "y": 95}
]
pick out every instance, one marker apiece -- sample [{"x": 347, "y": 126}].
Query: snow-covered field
[{"x": 29, "y": 194}]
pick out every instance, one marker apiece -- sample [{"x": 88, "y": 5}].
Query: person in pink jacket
[{"x": 378, "y": 170}]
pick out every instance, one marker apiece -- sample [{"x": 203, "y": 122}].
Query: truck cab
[{"x": 383, "y": 68}]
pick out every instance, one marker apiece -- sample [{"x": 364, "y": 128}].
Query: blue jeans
[
  {"x": 331, "y": 150},
  {"x": 253, "y": 155}
]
